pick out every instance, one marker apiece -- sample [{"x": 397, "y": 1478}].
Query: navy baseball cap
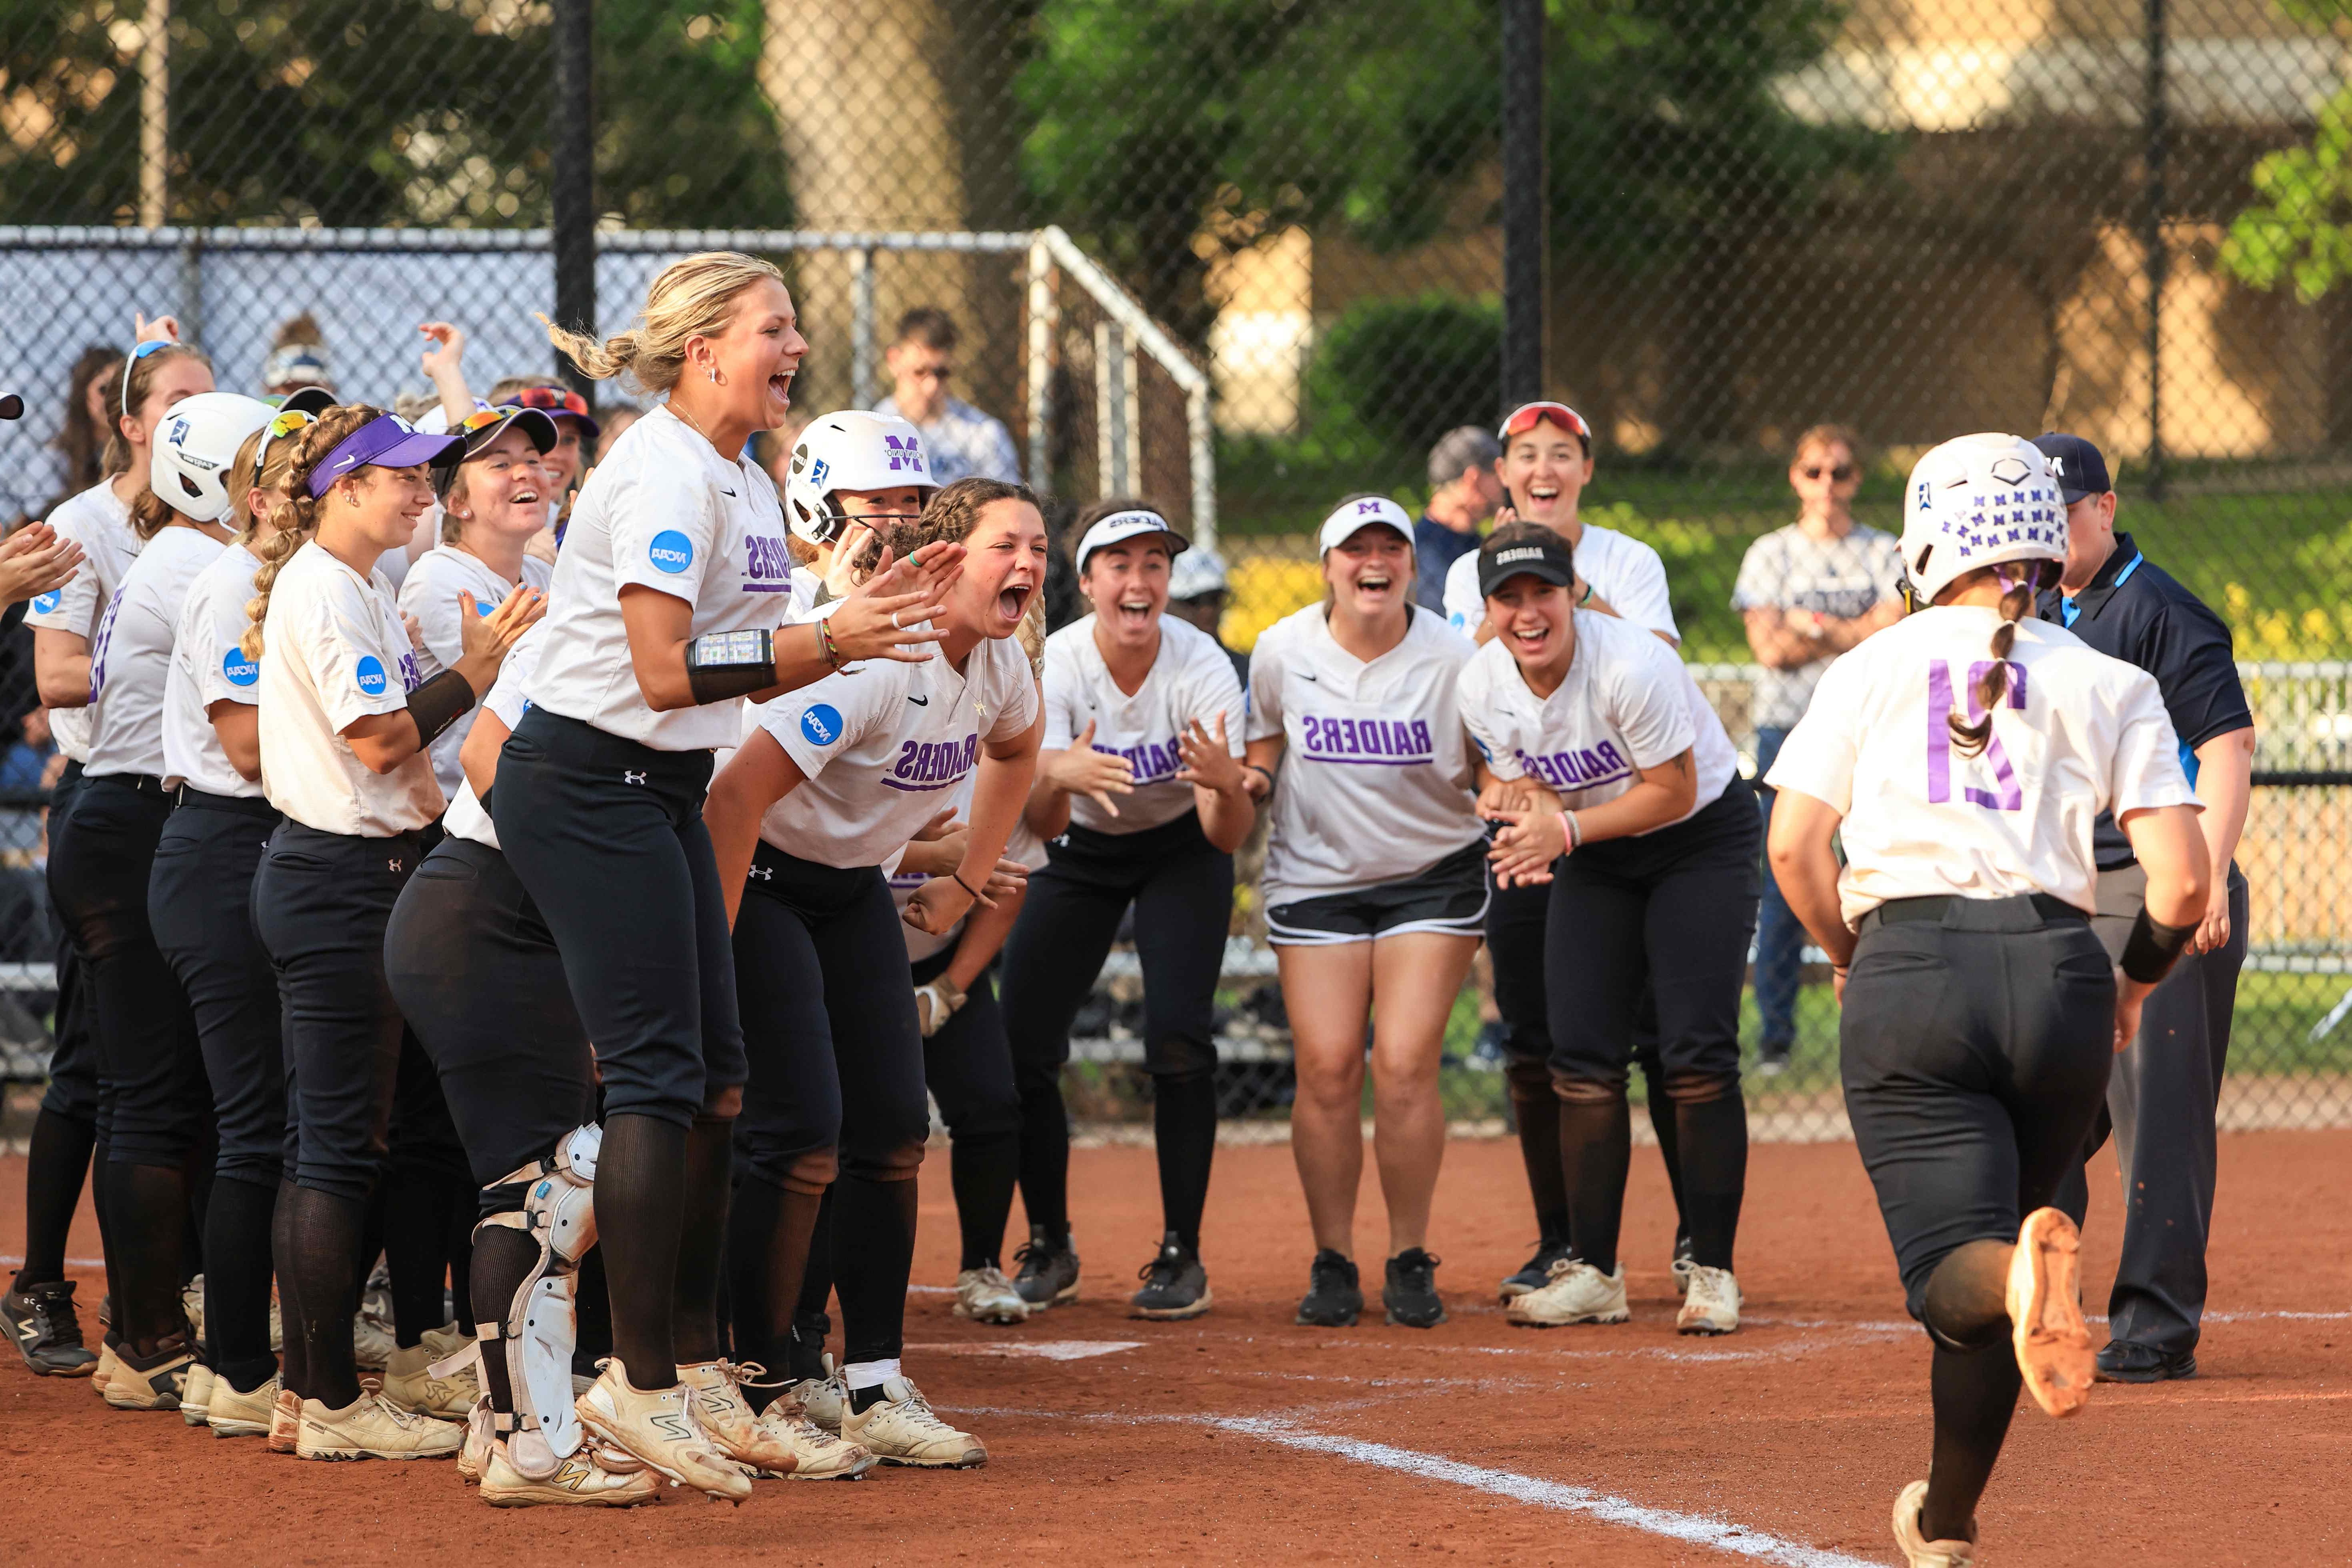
[
  {"x": 1547, "y": 559},
  {"x": 2082, "y": 468}
]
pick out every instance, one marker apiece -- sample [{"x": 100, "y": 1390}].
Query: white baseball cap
[
  {"x": 1121, "y": 526},
  {"x": 1197, "y": 572},
  {"x": 1351, "y": 517}
]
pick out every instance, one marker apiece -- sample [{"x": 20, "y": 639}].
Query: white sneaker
[
  {"x": 986, "y": 1296},
  {"x": 192, "y": 1306},
  {"x": 728, "y": 1419},
  {"x": 822, "y": 1399},
  {"x": 817, "y": 1455},
  {"x": 578, "y": 1482},
  {"x": 373, "y": 1427},
  {"x": 371, "y": 1343},
  {"x": 900, "y": 1428},
  {"x": 1577, "y": 1293},
  {"x": 233, "y": 1415},
  {"x": 409, "y": 1383},
  {"x": 1918, "y": 1552},
  {"x": 660, "y": 1427},
  {"x": 1712, "y": 1307},
  {"x": 481, "y": 1432},
  {"x": 196, "y": 1395}
]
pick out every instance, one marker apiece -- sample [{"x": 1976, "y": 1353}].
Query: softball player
[
  {"x": 100, "y": 858},
  {"x": 1626, "y": 800},
  {"x": 1141, "y": 792},
  {"x": 1963, "y": 756},
  {"x": 345, "y": 718},
  {"x": 667, "y": 602},
  {"x": 1375, "y": 890},
  {"x": 828, "y": 784}
]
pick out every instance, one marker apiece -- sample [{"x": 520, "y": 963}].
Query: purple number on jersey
[{"x": 1939, "y": 738}]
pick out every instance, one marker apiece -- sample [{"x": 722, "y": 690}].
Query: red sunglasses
[
  {"x": 553, "y": 400},
  {"x": 1527, "y": 416}
]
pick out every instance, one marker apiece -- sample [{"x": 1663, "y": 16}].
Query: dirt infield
[{"x": 1240, "y": 1438}]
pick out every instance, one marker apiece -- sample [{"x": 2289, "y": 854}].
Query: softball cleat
[{"x": 2045, "y": 1313}]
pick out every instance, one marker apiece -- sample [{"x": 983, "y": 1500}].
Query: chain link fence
[{"x": 1279, "y": 280}]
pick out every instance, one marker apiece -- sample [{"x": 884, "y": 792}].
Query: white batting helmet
[
  {"x": 851, "y": 450},
  {"x": 1979, "y": 501},
  {"x": 196, "y": 446}
]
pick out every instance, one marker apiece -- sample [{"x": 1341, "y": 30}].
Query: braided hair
[{"x": 300, "y": 519}]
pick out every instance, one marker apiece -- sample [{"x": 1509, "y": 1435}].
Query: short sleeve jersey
[
  {"x": 2078, "y": 733},
  {"x": 1626, "y": 703},
  {"x": 506, "y": 699},
  {"x": 884, "y": 746},
  {"x": 1023, "y": 846},
  {"x": 1375, "y": 779},
  {"x": 1191, "y": 679},
  {"x": 662, "y": 511},
  {"x": 1620, "y": 570},
  {"x": 1788, "y": 569},
  {"x": 430, "y": 594},
  {"x": 335, "y": 653},
  {"x": 131, "y": 662},
  {"x": 208, "y": 667},
  {"x": 99, "y": 522}
]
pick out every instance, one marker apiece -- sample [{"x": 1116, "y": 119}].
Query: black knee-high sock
[
  {"x": 500, "y": 1260},
  {"x": 810, "y": 1324},
  {"x": 459, "y": 1208},
  {"x": 595, "y": 1305},
  {"x": 983, "y": 1171},
  {"x": 151, "y": 1210},
  {"x": 56, "y": 1161},
  {"x": 1536, "y": 1110},
  {"x": 770, "y": 1230},
  {"x": 1664, "y": 1125},
  {"x": 1711, "y": 1146},
  {"x": 1045, "y": 1160},
  {"x": 640, "y": 1206},
  {"x": 1596, "y": 1146},
  {"x": 873, "y": 1256},
  {"x": 702, "y": 1244},
  {"x": 323, "y": 1238},
  {"x": 196, "y": 1171},
  {"x": 1974, "y": 1394},
  {"x": 237, "y": 1281},
  {"x": 370, "y": 1247},
  {"x": 415, "y": 1254},
  {"x": 1184, "y": 1126},
  {"x": 106, "y": 1197},
  {"x": 294, "y": 1366}
]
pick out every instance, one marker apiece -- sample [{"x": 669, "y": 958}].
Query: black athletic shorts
[{"x": 1449, "y": 897}]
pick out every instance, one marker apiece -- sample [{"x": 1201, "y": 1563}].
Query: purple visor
[{"x": 387, "y": 441}]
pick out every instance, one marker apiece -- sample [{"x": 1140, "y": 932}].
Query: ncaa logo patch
[
  {"x": 48, "y": 602},
  {"x": 821, "y": 722},
  {"x": 370, "y": 673},
  {"x": 239, "y": 670},
  {"x": 483, "y": 606},
  {"x": 671, "y": 550}
]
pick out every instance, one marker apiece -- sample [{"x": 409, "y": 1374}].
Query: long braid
[
  {"x": 300, "y": 517},
  {"x": 1992, "y": 686}
]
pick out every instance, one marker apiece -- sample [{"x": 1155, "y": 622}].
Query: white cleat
[
  {"x": 728, "y": 1421},
  {"x": 901, "y": 1428},
  {"x": 196, "y": 1394},
  {"x": 2045, "y": 1313},
  {"x": 1918, "y": 1552},
  {"x": 233, "y": 1415},
  {"x": 986, "y": 1296},
  {"x": 409, "y": 1383},
  {"x": 373, "y": 1427},
  {"x": 660, "y": 1427},
  {"x": 817, "y": 1455},
  {"x": 372, "y": 1346},
  {"x": 1577, "y": 1293},
  {"x": 822, "y": 1399},
  {"x": 578, "y": 1482},
  {"x": 1711, "y": 1306}
]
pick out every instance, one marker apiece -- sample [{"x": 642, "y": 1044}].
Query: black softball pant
[
  {"x": 1974, "y": 1046},
  {"x": 1181, "y": 887},
  {"x": 74, "y": 1067},
  {"x": 836, "y": 1076},
  {"x": 607, "y": 837}
]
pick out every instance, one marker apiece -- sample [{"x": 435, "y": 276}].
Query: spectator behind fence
[
  {"x": 959, "y": 440},
  {"x": 77, "y": 453},
  {"x": 1197, "y": 592},
  {"x": 297, "y": 357},
  {"x": 1808, "y": 592},
  {"x": 1463, "y": 491}
]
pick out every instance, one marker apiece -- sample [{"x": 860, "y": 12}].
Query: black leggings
[
  {"x": 837, "y": 1077},
  {"x": 967, "y": 1067},
  {"x": 1181, "y": 887},
  {"x": 1665, "y": 916}
]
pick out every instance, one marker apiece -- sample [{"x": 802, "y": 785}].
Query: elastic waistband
[
  {"x": 1172, "y": 836},
  {"x": 575, "y": 743},
  {"x": 1934, "y": 907},
  {"x": 253, "y": 806},
  {"x": 302, "y": 835},
  {"x": 145, "y": 784}
]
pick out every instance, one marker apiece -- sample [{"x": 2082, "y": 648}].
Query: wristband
[
  {"x": 826, "y": 645},
  {"x": 2150, "y": 950},
  {"x": 1587, "y": 598},
  {"x": 967, "y": 887},
  {"x": 439, "y": 704},
  {"x": 720, "y": 664},
  {"x": 1575, "y": 830},
  {"x": 1265, "y": 773}
]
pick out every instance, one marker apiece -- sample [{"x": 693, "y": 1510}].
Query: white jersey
[
  {"x": 1190, "y": 678},
  {"x": 336, "y": 653},
  {"x": 1621, "y": 571},
  {"x": 430, "y": 595},
  {"x": 131, "y": 662},
  {"x": 663, "y": 510},
  {"x": 1023, "y": 846},
  {"x": 2079, "y": 733},
  {"x": 883, "y": 747},
  {"x": 507, "y": 700},
  {"x": 99, "y": 522},
  {"x": 1626, "y": 704},
  {"x": 1376, "y": 781},
  {"x": 208, "y": 667}
]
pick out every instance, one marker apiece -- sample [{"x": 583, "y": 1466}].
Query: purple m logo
[
  {"x": 908, "y": 453},
  {"x": 1368, "y": 508}
]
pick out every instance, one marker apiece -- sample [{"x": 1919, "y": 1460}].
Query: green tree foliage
[{"x": 2299, "y": 229}]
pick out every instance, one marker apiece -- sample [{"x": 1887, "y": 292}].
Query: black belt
[
  {"x": 1935, "y": 907},
  {"x": 252, "y": 806},
  {"x": 145, "y": 784}
]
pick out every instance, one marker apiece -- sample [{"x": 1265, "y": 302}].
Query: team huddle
[{"x": 591, "y": 936}]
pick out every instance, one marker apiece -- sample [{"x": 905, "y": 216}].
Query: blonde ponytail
[
  {"x": 694, "y": 296},
  {"x": 301, "y": 518}
]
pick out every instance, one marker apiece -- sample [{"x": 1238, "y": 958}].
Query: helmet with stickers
[
  {"x": 851, "y": 450},
  {"x": 196, "y": 445},
  {"x": 1979, "y": 501}
]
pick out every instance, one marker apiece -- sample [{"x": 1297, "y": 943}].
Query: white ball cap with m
[
  {"x": 1349, "y": 516},
  {"x": 1980, "y": 501}
]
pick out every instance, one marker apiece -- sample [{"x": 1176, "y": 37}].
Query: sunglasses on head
[
  {"x": 553, "y": 400},
  {"x": 1842, "y": 473},
  {"x": 277, "y": 430},
  {"x": 1526, "y": 418},
  {"x": 136, "y": 355},
  {"x": 483, "y": 418}
]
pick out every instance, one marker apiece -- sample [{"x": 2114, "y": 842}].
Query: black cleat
[
  {"x": 2121, "y": 1360},
  {"x": 1333, "y": 1298},
  {"x": 1175, "y": 1286},
  {"x": 1049, "y": 1270},
  {"x": 1537, "y": 1272},
  {"x": 46, "y": 1331},
  {"x": 1411, "y": 1293}
]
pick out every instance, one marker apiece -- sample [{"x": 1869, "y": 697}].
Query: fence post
[
  {"x": 1526, "y": 209},
  {"x": 2155, "y": 129},
  {"x": 1045, "y": 321},
  {"x": 574, "y": 189},
  {"x": 1113, "y": 408},
  {"x": 861, "y": 327}
]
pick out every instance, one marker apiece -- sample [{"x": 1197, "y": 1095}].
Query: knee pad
[{"x": 541, "y": 1325}]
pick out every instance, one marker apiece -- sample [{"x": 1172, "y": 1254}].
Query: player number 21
[{"x": 2007, "y": 795}]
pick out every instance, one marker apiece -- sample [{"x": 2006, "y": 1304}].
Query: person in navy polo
[{"x": 2161, "y": 1098}]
